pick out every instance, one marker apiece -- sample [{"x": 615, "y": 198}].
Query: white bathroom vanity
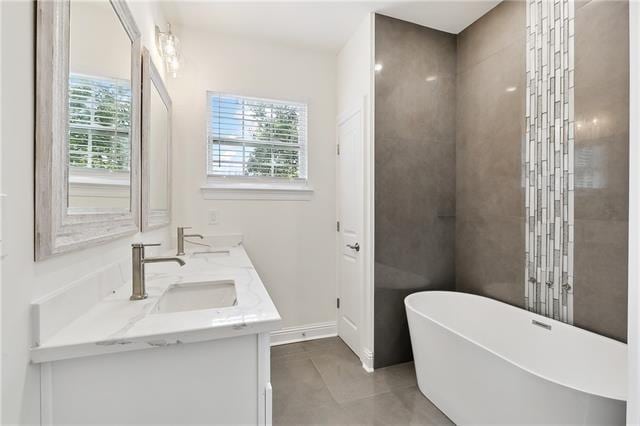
[{"x": 196, "y": 351}]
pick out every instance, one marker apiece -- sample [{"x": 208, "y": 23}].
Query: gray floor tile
[
  {"x": 399, "y": 376},
  {"x": 285, "y": 357},
  {"x": 342, "y": 371},
  {"x": 283, "y": 350},
  {"x": 324, "y": 345},
  {"x": 322, "y": 382},
  {"x": 297, "y": 382},
  {"x": 350, "y": 390},
  {"x": 338, "y": 363},
  {"x": 420, "y": 409},
  {"x": 407, "y": 407},
  {"x": 329, "y": 414},
  {"x": 381, "y": 409}
]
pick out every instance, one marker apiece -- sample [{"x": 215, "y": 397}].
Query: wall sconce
[{"x": 169, "y": 48}]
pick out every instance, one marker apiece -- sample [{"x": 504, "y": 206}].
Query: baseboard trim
[
  {"x": 367, "y": 360},
  {"x": 303, "y": 333}
]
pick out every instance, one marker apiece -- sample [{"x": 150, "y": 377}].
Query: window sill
[
  {"x": 97, "y": 177},
  {"x": 287, "y": 191}
]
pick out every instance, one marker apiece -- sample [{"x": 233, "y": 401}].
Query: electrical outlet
[{"x": 213, "y": 217}]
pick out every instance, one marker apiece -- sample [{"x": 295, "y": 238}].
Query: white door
[{"x": 350, "y": 217}]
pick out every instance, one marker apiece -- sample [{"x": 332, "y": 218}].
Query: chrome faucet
[
  {"x": 138, "y": 259},
  {"x": 182, "y": 236}
]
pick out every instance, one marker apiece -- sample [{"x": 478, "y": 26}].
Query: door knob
[{"x": 355, "y": 247}]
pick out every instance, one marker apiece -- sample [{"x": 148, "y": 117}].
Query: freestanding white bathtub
[{"x": 485, "y": 362}]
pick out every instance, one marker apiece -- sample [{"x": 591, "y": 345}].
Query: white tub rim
[{"x": 621, "y": 395}]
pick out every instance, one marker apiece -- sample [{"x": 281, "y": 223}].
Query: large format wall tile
[
  {"x": 602, "y": 43},
  {"x": 491, "y": 93},
  {"x": 602, "y": 167},
  {"x": 489, "y": 137},
  {"x": 600, "y": 298},
  {"x": 415, "y": 175},
  {"x": 416, "y": 188},
  {"x": 494, "y": 31},
  {"x": 602, "y": 178},
  {"x": 602, "y": 111},
  {"x": 415, "y": 90},
  {"x": 489, "y": 257}
]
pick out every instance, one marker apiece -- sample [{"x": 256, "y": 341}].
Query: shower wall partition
[{"x": 415, "y": 93}]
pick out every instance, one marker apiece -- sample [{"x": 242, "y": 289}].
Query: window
[
  {"x": 99, "y": 123},
  {"x": 251, "y": 137}
]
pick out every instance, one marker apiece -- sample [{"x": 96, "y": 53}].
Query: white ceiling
[{"x": 318, "y": 24}]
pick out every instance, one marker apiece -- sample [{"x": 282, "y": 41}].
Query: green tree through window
[
  {"x": 280, "y": 125},
  {"x": 99, "y": 123}
]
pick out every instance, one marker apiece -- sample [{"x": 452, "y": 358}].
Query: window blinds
[
  {"x": 99, "y": 123},
  {"x": 256, "y": 137}
]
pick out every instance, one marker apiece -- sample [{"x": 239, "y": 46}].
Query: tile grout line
[
  {"x": 394, "y": 392},
  {"x": 507, "y": 46},
  {"x": 326, "y": 385},
  {"x": 390, "y": 391}
]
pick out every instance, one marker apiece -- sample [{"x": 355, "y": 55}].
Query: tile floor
[{"x": 322, "y": 382}]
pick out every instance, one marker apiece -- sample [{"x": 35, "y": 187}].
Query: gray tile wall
[
  {"x": 489, "y": 195},
  {"x": 415, "y": 175},
  {"x": 602, "y": 174},
  {"x": 489, "y": 143},
  {"x": 455, "y": 147}
]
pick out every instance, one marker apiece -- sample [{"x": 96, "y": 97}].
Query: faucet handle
[
  {"x": 185, "y": 227},
  {"x": 139, "y": 245}
]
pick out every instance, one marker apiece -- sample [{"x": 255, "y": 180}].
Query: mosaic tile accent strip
[{"x": 549, "y": 158}]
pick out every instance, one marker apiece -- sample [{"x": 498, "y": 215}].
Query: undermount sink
[
  {"x": 210, "y": 253},
  {"x": 197, "y": 296}
]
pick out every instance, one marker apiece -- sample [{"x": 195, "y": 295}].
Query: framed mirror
[
  {"x": 88, "y": 82},
  {"x": 156, "y": 147}
]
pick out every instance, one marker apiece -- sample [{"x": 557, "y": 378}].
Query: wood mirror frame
[
  {"x": 56, "y": 229},
  {"x": 152, "y": 219}
]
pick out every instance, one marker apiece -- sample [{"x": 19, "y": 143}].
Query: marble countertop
[{"x": 116, "y": 324}]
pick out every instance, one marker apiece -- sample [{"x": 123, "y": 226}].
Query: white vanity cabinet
[
  {"x": 223, "y": 381},
  {"x": 105, "y": 359}
]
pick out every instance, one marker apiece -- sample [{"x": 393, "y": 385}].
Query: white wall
[
  {"x": 98, "y": 42},
  {"x": 355, "y": 90},
  {"x": 292, "y": 243},
  {"x": 22, "y": 279},
  {"x": 354, "y": 67}
]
